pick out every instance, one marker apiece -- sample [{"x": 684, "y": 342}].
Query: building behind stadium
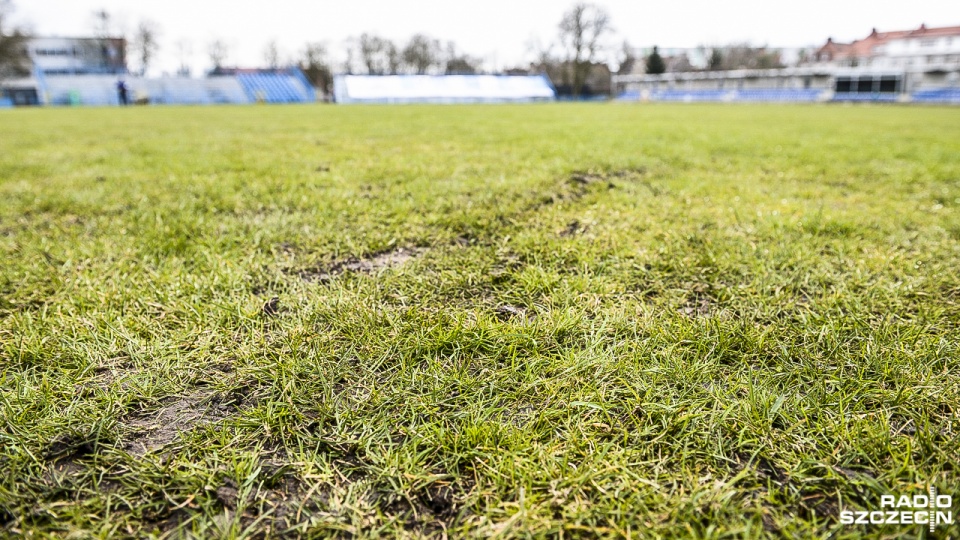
[{"x": 922, "y": 64}]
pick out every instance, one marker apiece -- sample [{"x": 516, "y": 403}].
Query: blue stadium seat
[
  {"x": 274, "y": 87},
  {"x": 938, "y": 95},
  {"x": 690, "y": 95},
  {"x": 865, "y": 97},
  {"x": 778, "y": 95}
]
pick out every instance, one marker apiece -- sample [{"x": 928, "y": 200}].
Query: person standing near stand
[{"x": 122, "y": 92}]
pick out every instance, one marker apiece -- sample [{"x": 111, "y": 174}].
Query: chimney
[
  {"x": 874, "y": 32},
  {"x": 923, "y": 26}
]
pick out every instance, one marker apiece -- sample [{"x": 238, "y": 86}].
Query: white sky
[{"x": 499, "y": 31}]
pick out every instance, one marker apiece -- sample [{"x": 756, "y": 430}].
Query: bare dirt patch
[
  {"x": 272, "y": 307},
  {"x": 574, "y": 228},
  {"x": 156, "y": 430},
  {"x": 639, "y": 175},
  {"x": 593, "y": 177},
  {"x": 366, "y": 265},
  {"x": 66, "y": 452},
  {"x": 429, "y": 511},
  {"x": 505, "y": 312},
  {"x": 699, "y": 302}
]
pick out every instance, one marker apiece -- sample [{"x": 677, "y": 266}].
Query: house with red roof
[{"x": 922, "y": 49}]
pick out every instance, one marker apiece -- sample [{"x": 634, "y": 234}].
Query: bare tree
[
  {"x": 378, "y": 55},
  {"x": 145, "y": 44},
  {"x": 271, "y": 54},
  {"x": 314, "y": 64},
  {"x": 102, "y": 24},
  {"x": 422, "y": 53},
  {"x": 184, "y": 54},
  {"x": 14, "y": 61},
  {"x": 544, "y": 61},
  {"x": 582, "y": 30},
  {"x": 218, "y": 51},
  {"x": 744, "y": 56},
  {"x": 370, "y": 49},
  {"x": 457, "y": 63},
  {"x": 394, "y": 59},
  {"x": 349, "y": 46},
  {"x": 626, "y": 60}
]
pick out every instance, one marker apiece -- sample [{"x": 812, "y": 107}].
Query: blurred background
[{"x": 293, "y": 51}]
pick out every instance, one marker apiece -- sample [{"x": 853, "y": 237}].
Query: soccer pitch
[{"x": 583, "y": 320}]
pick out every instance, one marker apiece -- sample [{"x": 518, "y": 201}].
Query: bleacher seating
[
  {"x": 81, "y": 90},
  {"x": 274, "y": 87},
  {"x": 170, "y": 90},
  {"x": 747, "y": 95},
  {"x": 630, "y": 95},
  {"x": 101, "y": 90},
  {"x": 688, "y": 96},
  {"x": 938, "y": 95},
  {"x": 225, "y": 90},
  {"x": 865, "y": 97},
  {"x": 779, "y": 94}
]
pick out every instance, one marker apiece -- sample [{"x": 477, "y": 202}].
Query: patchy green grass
[{"x": 577, "y": 320}]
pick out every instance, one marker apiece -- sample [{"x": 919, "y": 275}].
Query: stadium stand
[
  {"x": 865, "y": 97},
  {"x": 779, "y": 94},
  {"x": 938, "y": 95},
  {"x": 688, "y": 96},
  {"x": 442, "y": 88},
  {"x": 785, "y": 95},
  {"x": 276, "y": 87},
  {"x": 747, "y": 95},
  {"x": 81, "y": 90},
  {"x": 101, "y": 90}
]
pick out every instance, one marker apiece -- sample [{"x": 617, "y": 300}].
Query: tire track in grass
[{"x": 574, "y": 187}]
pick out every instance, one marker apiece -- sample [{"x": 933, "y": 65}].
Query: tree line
[
  {"x": 718, "y": 58},
  {"x": 578, "y": 60},
  {"x": 581, "y": 34}
]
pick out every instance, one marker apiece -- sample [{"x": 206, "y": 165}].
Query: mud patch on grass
[
  {"x": 587, "y": 177},
  {"x": 507, "y": 312},
  {"x": 574, "y": 228},
  {"x": 66, "y": 452},
  {"x": 429, "y": 511},
  {"x": 696, "y": 306},
  {"x": 179, "y": 415},
  {"x": 518, "y": 417},
  {"x": 762, "y": 467},
  {"x": 571, "y": 189},
  {"x": 699, "y": 301},
  {"x": 70, "y": 446},
  {"x": 902, "y": 426},
  {"x": 365, "y": 265},
  {"x": 272, "y": 307},
  {"x": 638, "y": 175}
]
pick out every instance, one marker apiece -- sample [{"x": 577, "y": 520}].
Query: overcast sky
[{"x": 499, "y": 31}]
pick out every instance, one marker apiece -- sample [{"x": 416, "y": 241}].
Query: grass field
[{"x": 579, "y": 320}]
